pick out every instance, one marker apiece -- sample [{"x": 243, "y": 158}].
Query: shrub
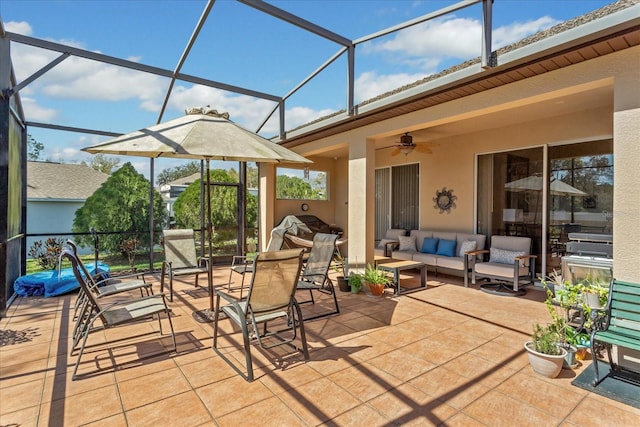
[
  {"x": 47, "y": 254},
  {"x": 129, "y": 247}
]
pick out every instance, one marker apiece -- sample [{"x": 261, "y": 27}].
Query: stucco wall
[{"x": 51, "y": 217}]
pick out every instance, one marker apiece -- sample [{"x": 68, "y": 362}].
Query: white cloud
[
  {"x": 371, "y": 84},
  {"x": 511, "y": 33},
  {"x": 21, "y": 27},
  {"x": 36, "y": 112}
]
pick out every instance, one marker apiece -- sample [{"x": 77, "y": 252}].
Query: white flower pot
[{"x": 547, "y": 365}]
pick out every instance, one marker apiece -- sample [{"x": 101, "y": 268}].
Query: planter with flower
[
  {"x": 339, "y": 265},
  {"x": 546, "y": 357}
]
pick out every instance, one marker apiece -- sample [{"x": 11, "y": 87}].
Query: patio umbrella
[
  {"x": 202, "y": 134},
  {"x": 534, "y": 183}
]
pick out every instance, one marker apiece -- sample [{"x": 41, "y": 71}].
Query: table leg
[
  {"x": 396, "y": 280},
  {"x": 423, "y": 276}
]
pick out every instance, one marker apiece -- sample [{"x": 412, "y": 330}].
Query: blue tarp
[{"x": 50, "y": 283}]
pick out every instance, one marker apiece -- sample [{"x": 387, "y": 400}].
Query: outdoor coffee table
[{"x": 398, "y": 266}]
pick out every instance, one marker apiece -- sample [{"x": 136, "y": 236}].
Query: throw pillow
[
  {"x": 407, "y": 243},
  {"x": 446, "y": 247},
  {"x": 429, "y": 246},
  {"x": 467, "y": 246},
  {"x": 504, "y": 256}
]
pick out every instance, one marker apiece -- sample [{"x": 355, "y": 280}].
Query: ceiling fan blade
[
  {"x": 388, "y": 146},
  {"x": 423, "y": 149},
  {"x": 395, "y": 151}
]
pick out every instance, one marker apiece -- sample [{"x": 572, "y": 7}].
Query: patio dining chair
[
  {"x": 271, "y": 296},
  {"x": 104, "y": 286},
  {"x": 118, "y": 313},
  {"x": 243, "y": 265},
  {"x": 180, "y": 258},
  {"x": 315, "y": 276}
]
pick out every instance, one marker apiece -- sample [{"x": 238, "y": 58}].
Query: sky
[{"x": 239, "y": 46}]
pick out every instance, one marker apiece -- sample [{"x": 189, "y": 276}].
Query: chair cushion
[
  {"x": 467, "y": 246},
  {"x": 429, "y": 246},
  {"x": 394, "y": 233},
  {"x": 503, "y": 256},
  {"x": 407, "y": 243},
  {"x": 446, "y": 247}
]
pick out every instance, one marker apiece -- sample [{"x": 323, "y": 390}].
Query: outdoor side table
[{"x": 398, "y": 266}]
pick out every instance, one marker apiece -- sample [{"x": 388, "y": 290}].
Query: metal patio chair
[
  {"x": 316, "y": 271},
  {"x": 243, "y": 265},
  {"x": 271, "y": 296},
  {"x": 180, "y": 258},
  {"x": 118, "y": 313}
]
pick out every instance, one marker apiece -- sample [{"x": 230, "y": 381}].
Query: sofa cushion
[
  {"x": 503, "y": 256},
  {"x": 404, "y": 255},
  {"x": 429, "y": 246},
  {"x": 453, "y": 263},
  {"x": 447, "y": 235},
  {"x": 466, "y": 246},
  {"x": 420, "y": 236},
  {"x": 394, "y": 233},
  {"x": 446, "y": 247},
  {"x": 407, "y": 243},
  {"x": 429, "y": 259}
]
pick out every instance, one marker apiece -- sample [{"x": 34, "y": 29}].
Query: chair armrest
[
  {"x": 478, "y": 252},
  {"x": 522, "y": 257}
]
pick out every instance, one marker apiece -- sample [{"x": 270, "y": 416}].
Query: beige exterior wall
[{"x": 452, "y": 164}]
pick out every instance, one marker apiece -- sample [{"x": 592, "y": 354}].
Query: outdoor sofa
[{"x": 441, "y": 251}]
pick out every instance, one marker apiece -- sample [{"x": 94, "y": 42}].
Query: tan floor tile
[
  {"x": 82, "y": 409},
  {"x": 406, "y": 405},
  {"x": 328, "y": 360},
  {"x": 402, "y": 364},
  {"x": 363, "y": 415},
  {"x": 449, "y": 387},
  {"x": 152, "y": 388},
  {"x": 364, "y": 381},
  {"x": 498, "y": 409},
  {"x": 364, "y": 347},
  {"x": 112, "y": 421},
  {"x": 184, "y": 409},
  {"x": 232, "y": 394},
  {"x": 207, "y": 371},
  {"x": 598, "y": 411},
  {"x": 20, "y": 396},
  {"x": 279, "y": 381},
  {"x": 490, "y": 373},
  {"x": 18, "y": 373},
  {"x": 26, "y": 417},
  {"x": 61, "y": 386},
  {"x": 463, "y": 420},
  {"x": 319, "y": 401},
  {"x": 269, "y": 412}
]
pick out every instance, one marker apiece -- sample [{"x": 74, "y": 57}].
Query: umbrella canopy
[
  {"x": 534, "y": 183},
  {"x": 202, "y": 134}
]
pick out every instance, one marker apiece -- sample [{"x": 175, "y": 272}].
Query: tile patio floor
[{"x": 447, "y": 355}]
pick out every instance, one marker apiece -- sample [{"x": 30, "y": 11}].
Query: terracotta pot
[
  {"x": 377, "y": 289},
  {"x": 547, "y": 365}
]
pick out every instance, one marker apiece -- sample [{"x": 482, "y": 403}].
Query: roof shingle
[{"x": 48, "y": 180}]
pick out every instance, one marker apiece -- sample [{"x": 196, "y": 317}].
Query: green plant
[
  {"x": 339, "y": 265},
  {"x": 546, "y": 338},
  {"x": 355, "y": 281},
  {"x": 46, "y": 254},
  {"x": 373, "y": 274}
]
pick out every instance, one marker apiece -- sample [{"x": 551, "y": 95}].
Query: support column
[
  {"x": 361, "y": 202},
  {"x": 626, "y": 197},
  {"x": 266, "y": 202}
]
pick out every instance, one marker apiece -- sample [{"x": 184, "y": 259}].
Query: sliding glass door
[{"x": 397, "y": 198}]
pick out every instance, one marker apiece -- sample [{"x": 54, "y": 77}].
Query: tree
[
  {"x": 33, "y": 148},
  {"x": 171, "y": 174},
  {"x": 102, "y": 163},
  {"x": 224, "y": 205},
  {"x": 120, "y": 204},
  {"x": 292, "y": 187}
]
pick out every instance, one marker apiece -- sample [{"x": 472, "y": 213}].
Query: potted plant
[
  {"x": 340, "y": 267},
  {"x": 546, "y": 357},
  {"x": 376, "y": 278},
  {"x": 355, "y": 282}
]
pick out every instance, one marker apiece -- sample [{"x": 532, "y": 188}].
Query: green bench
[{"x": 620, "y": 326}]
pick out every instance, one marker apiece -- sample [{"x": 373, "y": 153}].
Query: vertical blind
[{"x": 397, "y": 198}]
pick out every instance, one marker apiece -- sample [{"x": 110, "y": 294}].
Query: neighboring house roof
[
  {"x": 48, "y": 180},
  {"x": 186, "y": 180}
]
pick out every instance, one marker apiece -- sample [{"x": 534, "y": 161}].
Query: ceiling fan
[{"x": 406, "y": 146}]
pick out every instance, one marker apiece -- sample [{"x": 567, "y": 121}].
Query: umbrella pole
[{"x": 210, "y": 237}]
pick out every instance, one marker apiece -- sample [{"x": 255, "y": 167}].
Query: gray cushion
[
  {"x": 503, "y": 256},
  {"x": 467, "y": 246},
  {"x": 407, "y": 243}
]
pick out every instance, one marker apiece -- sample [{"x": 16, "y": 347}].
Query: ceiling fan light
[{"x": 406, "y": 150}]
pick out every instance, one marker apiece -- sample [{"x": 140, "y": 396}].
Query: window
[{"x": 301, "y": 184}]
